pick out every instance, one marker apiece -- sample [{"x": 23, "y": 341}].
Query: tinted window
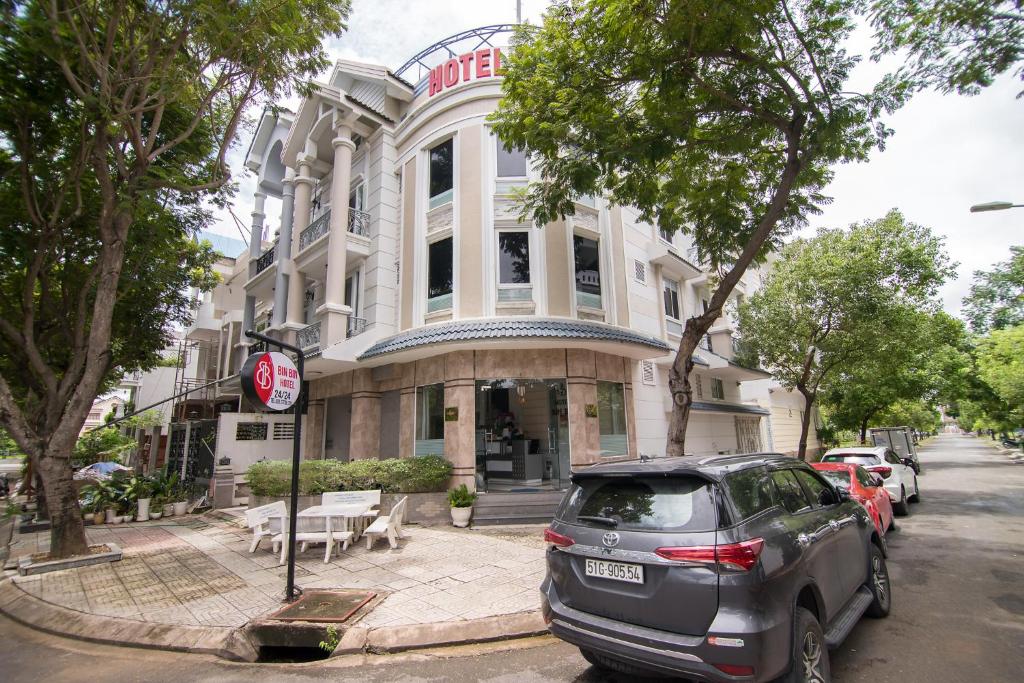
[
  {"x": 641, "y": 503},
  {"x": 441, "y": 169},
  {"x": 818, "y": 490},
  {"x": 514, "y": 258},
  {"x": 791, "y": 495},
  {"x": 511, "y": 162},
  {"x": 751, "y": 492},
  {"x": 865, "y": 478},
  {"x": 837, "y": 478},
  {"x": 439, "y": 268},
  {"x": 588, "y": 266},
  {"x": 892, "y": 458},
  {"x": 857, "y": 459}
]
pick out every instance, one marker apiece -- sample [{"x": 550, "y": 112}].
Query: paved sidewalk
[{"x": 197, "y": 571}]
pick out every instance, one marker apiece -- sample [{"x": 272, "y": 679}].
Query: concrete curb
[
  {"x": 358, "y": 639},
  {"x": 29, "y": 610}
]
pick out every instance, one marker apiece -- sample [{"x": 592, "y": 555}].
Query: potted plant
[
  {"x": 180, "y": 500},
  {"x": 140, "y": 490},
  {"x": 461, "y": 500},
  {"x": 156, "y": 506}
]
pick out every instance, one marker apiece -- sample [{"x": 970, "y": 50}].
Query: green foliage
[
  {"x": 461, "y": 497},
  {"x": 954, "y": 45},
  {"x": 1001, "y": 365},
  {"x": 996, "y": 300},
  {"x": 8, "y": 447},
  {"x": 331, "y": 639},
  {"x": 393, "y": 475},
  {"x": 101, "y": 445},
  {"x": 917, "y": 414}
]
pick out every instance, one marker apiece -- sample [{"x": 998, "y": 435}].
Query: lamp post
[{"x": 994, "y": 206}]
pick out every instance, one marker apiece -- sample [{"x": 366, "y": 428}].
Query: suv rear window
[
  {"x": 641, "y": 503},
  {"x": 751, "y": 492},
  {"x": 840, "y": 478},
  {"x": 858, "y": 458}
]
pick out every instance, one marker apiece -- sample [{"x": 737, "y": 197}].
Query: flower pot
[
  {"x": 98, "y": 518},
  {"x": 143, "y": 514},
  {"x": 460, "y": 516},
  {"x": 155, "y": 515},
  {"x": 168, "y": 510},
  {"x": 112, "y": 516},
  {"x": 181, "y": 507}
]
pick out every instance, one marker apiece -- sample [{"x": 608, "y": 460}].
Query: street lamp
[{"x": 994, "y": 206}]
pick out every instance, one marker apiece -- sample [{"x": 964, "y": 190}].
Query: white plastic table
[{"x": 347, "y": 512}]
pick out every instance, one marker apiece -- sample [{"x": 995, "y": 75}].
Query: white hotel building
[{"x": 435, "y": 321}]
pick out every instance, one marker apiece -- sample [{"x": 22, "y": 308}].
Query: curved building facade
[{"x": 436, "y": 321}]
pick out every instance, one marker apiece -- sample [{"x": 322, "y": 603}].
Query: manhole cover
[{"x": 324, "y": 606}]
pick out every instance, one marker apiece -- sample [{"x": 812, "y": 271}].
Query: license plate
[{"x": 616, "y": 571}]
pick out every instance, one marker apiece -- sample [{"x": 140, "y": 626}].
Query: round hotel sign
[{"x": 271, "y": 380}]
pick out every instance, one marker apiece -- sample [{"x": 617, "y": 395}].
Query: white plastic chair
[
  {"x": 389, "y": 525},
  {"x": 258, "y": 519},
  {"x": 370, "y": 499}
]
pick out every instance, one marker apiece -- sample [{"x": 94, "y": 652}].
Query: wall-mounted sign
[
  {"x": 482, "y": 63},
  {"x": 451, "y": 414},
  {"x": 591, "y": 410},
  {"x": 271, "y": 380}
]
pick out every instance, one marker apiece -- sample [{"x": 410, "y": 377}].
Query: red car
[{"x": 864, "y": 487}]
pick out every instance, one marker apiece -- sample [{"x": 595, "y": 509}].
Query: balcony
[
  {"x": 358, "y": 222},
  {"x": 265, "y": 260},
  {"x": 356, "y": 326},
  {"x": 317, "y": 229},
  {"x": 309, "y": 337}
]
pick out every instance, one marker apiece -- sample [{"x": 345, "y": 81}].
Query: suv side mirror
[
  {"x": 876, "y": 480},
  {"x": 909, "y": 462},
  {"x": 842, "y": 495}
]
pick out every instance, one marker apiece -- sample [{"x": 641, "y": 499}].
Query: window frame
[
  {"x": 717, "y": 383},
  {"x": 672, "y": 322},
  {"x": 621, "y": 393},
  {"x": 438, "y": 300},
  {"x": 525, "y": 289},
  {"x": 448, "y": 195},
  {"x": 596, "y": 239},
  {"x": 419, "y": 406},
  {"x": 784, "y": 472},
  {"x": 499, "y": 149}
]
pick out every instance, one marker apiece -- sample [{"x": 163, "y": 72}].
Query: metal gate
[{"x": 748, "y": 434}]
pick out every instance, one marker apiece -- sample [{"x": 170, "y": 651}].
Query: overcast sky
[{"x": 948, "y": 153}]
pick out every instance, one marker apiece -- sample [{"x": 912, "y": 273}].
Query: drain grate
[{"x": 327, "y": 606}]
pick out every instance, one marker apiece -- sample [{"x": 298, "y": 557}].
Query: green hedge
[{"x": 395, "y": 475}]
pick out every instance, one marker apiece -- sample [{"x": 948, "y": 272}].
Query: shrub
[{"x": 394, "y": 475}]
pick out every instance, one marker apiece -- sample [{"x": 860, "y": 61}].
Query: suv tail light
[
  {"x": 557, "y": 539},
  {"x": 735, "y": 669},
  {"x": 886, "y": 472},
  {"x": 740, "y": 556}
]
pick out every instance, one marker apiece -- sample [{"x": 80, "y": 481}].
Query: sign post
[{"x": 271, "y": 380}]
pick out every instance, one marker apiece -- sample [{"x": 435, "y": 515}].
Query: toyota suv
[{"x": 731, "y": 568}]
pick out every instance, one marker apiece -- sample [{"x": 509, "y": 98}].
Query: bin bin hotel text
[{"x": 482, "y": 63}]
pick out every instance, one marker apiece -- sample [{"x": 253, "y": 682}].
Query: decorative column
[
  {"x": 284, "y": 248},
  {"x": 334, "y": 312},
  {"x": 584, "y": 429},
  {"x": 255, "y": 247},
  {"x": 296, "y": 280},
  {"x": 313, "y": 430},
  {"x": 364, "y": 433},
  {"x": 460, "y": 417}
]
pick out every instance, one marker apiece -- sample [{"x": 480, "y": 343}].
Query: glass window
[
  {"x": 439, "y": 275},
  {"x": 791, "y": 494},
  {"x": 717, "y": 389},
  {"x": 816, "y": 488},
  {"x": 751, "y": 492},
  {"x": 514, "y": 258},
  {"x": 665, "y": 235},
  {"x": 840, "y": 478},
  {"x": 441, "y": 169},
  {"x": 611, "y": 417},
  {"x": 430, "y": 419},
  {"x": 865, "y": 478},
  {"x": 357, "y": 197},
  {"x": 588, "y": 271},
  {"x": 672, "y": 299},
  {"x": 511, "y": 162},
  {"x": 641, "y": 503},
  {"x": 857, "y": 459},
  {"x": 892, "y": 458}
]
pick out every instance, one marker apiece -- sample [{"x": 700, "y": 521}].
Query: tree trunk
[
  {"x": 864, "y": 426},
  {"x": 682, "y": 392},
  {"x": 805, "y": 423},
  {"x": 67, "y": 530}
]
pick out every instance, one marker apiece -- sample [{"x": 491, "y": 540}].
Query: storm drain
[
  {"x": 309, "y": 628},
  {"x": 324, "y": 606}
]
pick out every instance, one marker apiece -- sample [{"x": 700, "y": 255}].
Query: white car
[{"x": 898, "y": 475}]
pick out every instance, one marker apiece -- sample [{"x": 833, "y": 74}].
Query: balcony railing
[
  {"x": 265, "y": 259},
  {"x": 309, "y": 336},
  {"x": 358, "y": 222},
  {"x": 356, "y": 326},
  {"x": 315, "y": 231}
]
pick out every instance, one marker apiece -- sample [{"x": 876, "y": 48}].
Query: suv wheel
[
  {"x": 604, "y": 663},
  {"x": 916, "y": 498},
  {"x": 810, "y": 655},
  {"x": 878, "y": 584},
  {"x": 902, "y": 508}
]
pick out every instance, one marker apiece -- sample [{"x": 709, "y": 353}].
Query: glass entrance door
[{"x": 522, "y": 435}]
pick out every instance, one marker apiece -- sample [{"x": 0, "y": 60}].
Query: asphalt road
[{"x": 957, "y": 565}]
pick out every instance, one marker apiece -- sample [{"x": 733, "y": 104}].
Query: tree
[
  {"x": 954, "y": 45},
  {"x": 718, "y": 119},
  {"x": 1001, "y": 364},
  {"x": 996, "y": 300},
  {"x": 841, "y": 301},
  {"x": 116, "y": 120}
]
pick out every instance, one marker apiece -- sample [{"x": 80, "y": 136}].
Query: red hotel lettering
[{"x": 449, "y": 74}]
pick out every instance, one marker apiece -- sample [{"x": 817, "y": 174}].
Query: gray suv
[{"x": 730, "y": 568}]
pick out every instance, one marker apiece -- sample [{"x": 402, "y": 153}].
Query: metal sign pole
[{"x": 300, "y": 404}]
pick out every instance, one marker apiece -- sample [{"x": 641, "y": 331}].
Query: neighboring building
[
  {"x": 434, "y": 321},
  {"x": 103, "y": 406},
  {"x": 787, "y": 414}
]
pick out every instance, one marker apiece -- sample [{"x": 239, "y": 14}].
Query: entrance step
[{"x": 516, "y": 508}]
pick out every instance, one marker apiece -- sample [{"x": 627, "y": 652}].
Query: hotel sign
[
  {"x": 271, "y": 380},
  {"x": 482, "y": 63}
]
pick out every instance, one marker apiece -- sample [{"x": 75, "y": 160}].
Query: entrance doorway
[{"x": 522, "y": 435}]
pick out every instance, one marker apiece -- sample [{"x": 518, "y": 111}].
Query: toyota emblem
[{"x": 610, "y": 539}]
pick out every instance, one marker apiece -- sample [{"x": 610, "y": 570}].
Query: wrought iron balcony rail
[
  {"x": 358, "y": 222},
  {"x": 309, "y": 336},
  {"x": 265, "y": 259},
  {"x": 315, "y": 231},
  {"x": 356, "y": 326}
]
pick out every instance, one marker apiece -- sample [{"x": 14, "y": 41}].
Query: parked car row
[
  {"x": 898, "y": 475},
  {"x": 728, "y": 568}
]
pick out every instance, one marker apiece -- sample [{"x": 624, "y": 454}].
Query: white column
[
  {"x": 284, "y": 248},
  {"x": 255, "y": 248},
  {"x": 334, "y": 311},
  {"x": 296, "y": 280}
]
